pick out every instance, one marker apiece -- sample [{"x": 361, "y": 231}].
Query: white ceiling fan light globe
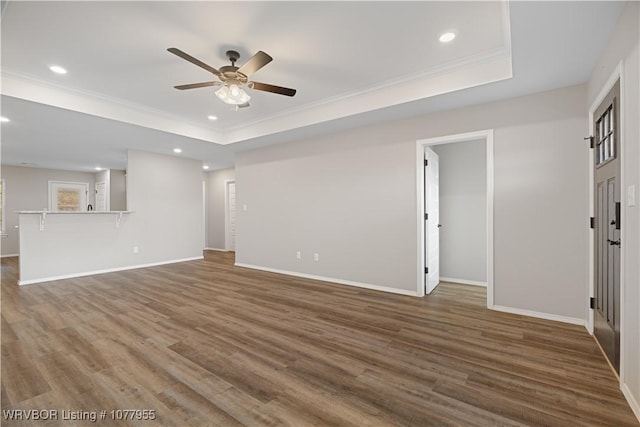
[
  {"x": 243, "y": 97},
  {"x": 232, "y": 94},
  {"x": 223, "y": 93}
]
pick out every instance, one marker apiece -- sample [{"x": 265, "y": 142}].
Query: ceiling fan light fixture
[{"x": 232, "y": 94}]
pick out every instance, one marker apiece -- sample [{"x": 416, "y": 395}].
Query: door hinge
[
  {"x": 426, "y": 216},
  {"x": 590, "y": 139},
  {"x": 592, "y": 303},
  {"x": 592, "y": 222},
  {"x": 426, "y": 270},
  {"x": 426, "y": 162}
]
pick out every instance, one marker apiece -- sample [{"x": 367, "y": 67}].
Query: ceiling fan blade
[
  {"x": 254, "y": 63},
  {"x": 273, "y": 89},
  {"x": 197, "y": 85},
  {"x": 193, "y": 60}
]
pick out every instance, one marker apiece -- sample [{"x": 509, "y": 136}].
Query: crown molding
[
  {"x": 473, "y": 71},
  {"x": 467, "y": 72},
  {"x": 31, "y": 89}
]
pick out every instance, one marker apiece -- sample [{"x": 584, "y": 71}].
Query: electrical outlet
[
  {"x": 136, "y": 249},
  {"x": 316, "y": 257},
  {"x": 298, "y": 255}
]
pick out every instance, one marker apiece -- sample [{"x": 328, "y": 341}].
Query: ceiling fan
[{"x": 232, "y": 79}]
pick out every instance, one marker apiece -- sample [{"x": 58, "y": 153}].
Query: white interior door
[
  {"x": 102, "y": 201},
  {"x": 432, "y": 220},
  {"x": 231, "y": 216}
]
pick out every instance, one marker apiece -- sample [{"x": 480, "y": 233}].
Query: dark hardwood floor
[{"x": 205, "y": 343}]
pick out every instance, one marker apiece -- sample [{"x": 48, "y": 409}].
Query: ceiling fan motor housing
[{"x": 229, "y": 73}]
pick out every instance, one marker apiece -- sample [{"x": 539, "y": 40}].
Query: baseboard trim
[
  {"x": 546, "y": 316},
  {"x": 463, "y": 281},
  {"x": 108, "y": 270},
  {"x": 635, "y": 406},
  {"x": 330, "y": 279},
  {"x": 9, "y": 255},
  {"x": 216, "y": 249}
]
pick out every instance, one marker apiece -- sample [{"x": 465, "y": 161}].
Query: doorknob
[
  {"x": 614, "y": 242},
  {"x": 439, "y": 225}
]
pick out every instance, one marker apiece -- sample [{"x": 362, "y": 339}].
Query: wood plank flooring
[{"x": 205, "y": 343}]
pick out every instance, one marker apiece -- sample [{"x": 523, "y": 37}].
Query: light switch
[
  {"x": 244, "y": 208},
  {"x": 631, "y": 195}
]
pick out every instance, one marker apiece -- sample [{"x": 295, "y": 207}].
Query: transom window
[{"x": 605, "y": 148}]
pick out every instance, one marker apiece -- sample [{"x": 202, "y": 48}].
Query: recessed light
[
  {"x": 177, "y": 150},
  {"x": 212, "y": 117},
  {"x": 4, "y": 119},
  {"x": 205, "y": 167},
  {"x": 58, "y": 69},
  {"x": 447, "y": 37},
  {"x": 98, "y": 168}
]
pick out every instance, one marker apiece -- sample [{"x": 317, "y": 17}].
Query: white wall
[
  {"x": 463, "y": 211},
  {"x": 215, "y": 206},
  {"x": 623, "y": 46},
  {"x": 351, "y": 197},
  {"x": 27, "y": 188},
  {"x": 165, "y": 193}
]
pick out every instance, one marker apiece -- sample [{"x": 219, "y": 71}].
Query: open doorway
[{"x": 429, "y": 247}]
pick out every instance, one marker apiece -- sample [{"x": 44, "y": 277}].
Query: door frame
[
  {"x": 107, "y": 195},
  {"x": 617, "y": 74},
  {"x": 487, "y": 136},
  {"x": 227, "y": 220}
]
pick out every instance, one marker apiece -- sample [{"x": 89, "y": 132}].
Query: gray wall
[
  {"x": 463, "y": 211},
  {"x": 27, "y": 188},
  {"x": 215, "y": 206},
  {"x": 118, "y": 190},
  {"x": 165, "y": 193},
  {"x": 351, "y": 197},
  {"x": 623, "y": 46}
]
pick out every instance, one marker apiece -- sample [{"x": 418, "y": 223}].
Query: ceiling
[{"x": 352, "y": 63}]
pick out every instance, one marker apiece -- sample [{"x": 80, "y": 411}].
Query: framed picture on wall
[{"x": 68, "y": 196}]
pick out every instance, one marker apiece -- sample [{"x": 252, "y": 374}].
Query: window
[
  {"x": 605, "y": 148},
  {"x": 3, "y": 188},
  {"x": 68, "y": 196}
]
